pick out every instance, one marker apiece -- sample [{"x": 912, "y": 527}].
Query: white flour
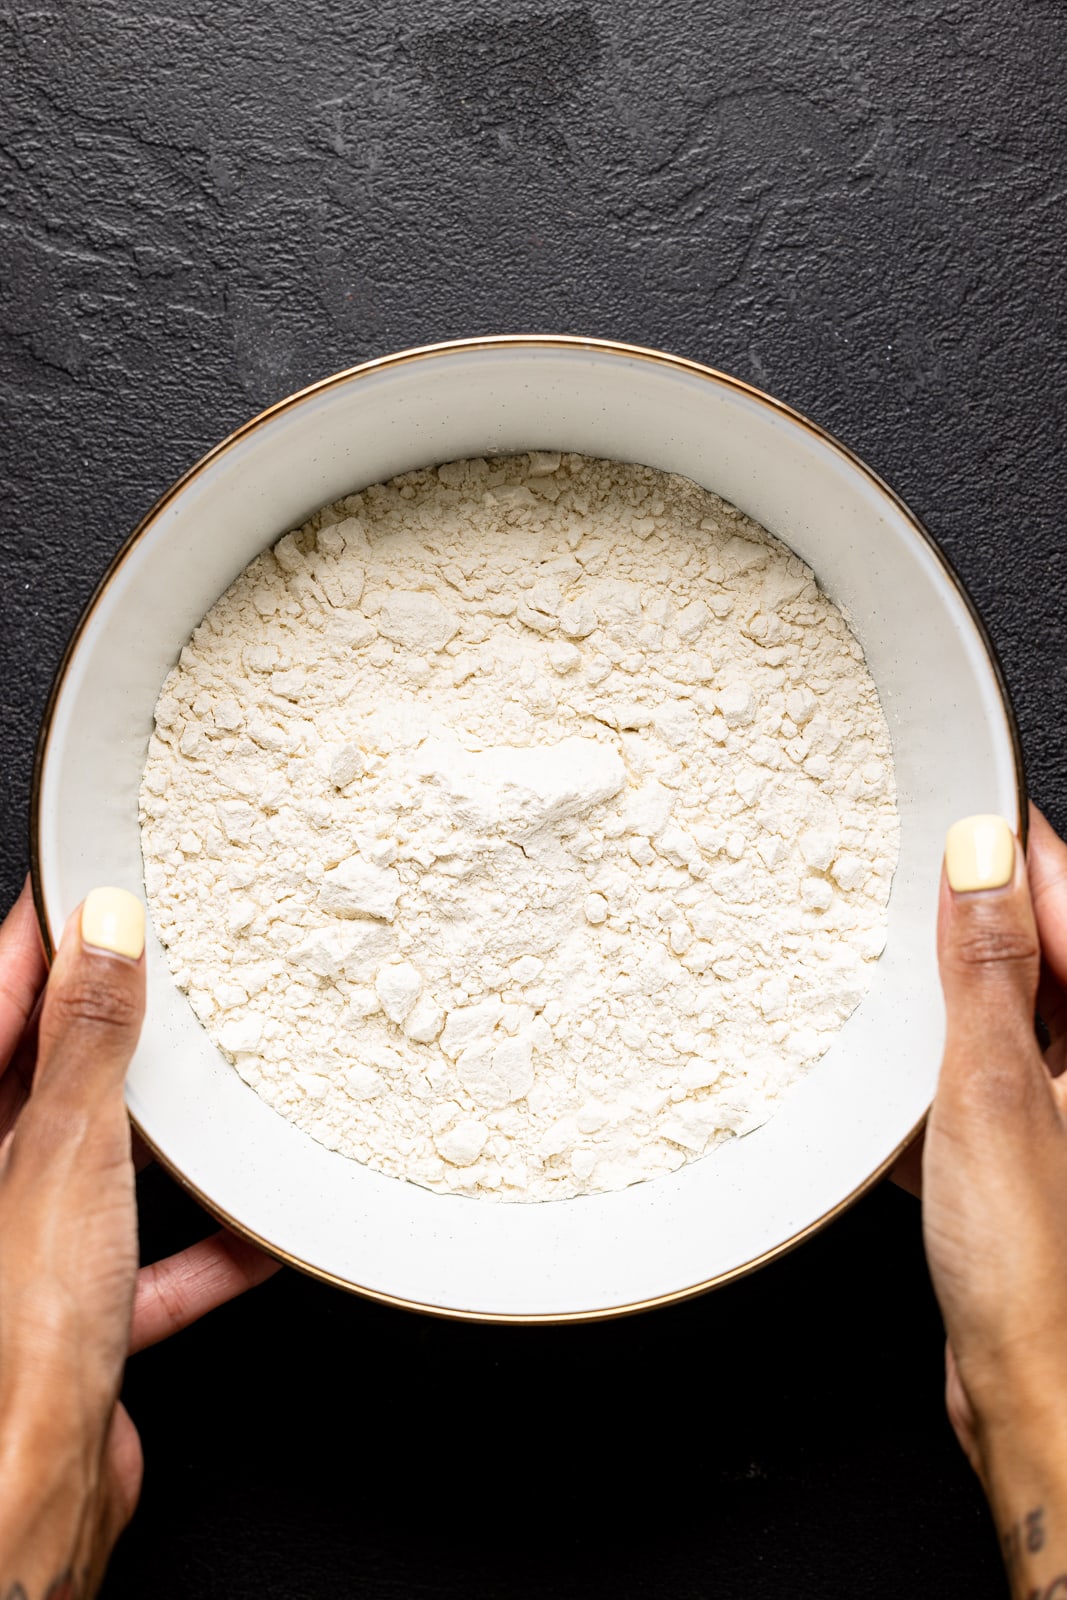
[{"x": 522, "y": 828}]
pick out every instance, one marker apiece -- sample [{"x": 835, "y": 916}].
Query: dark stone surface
[{"x": 858, "y": 207}]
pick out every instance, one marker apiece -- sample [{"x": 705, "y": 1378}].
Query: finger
[
  {"x": 173, "y": 1293},
  {"x": 990, "y": 959},
  {"x": 16, "y": 1081},
  {"x": 907, "y": 1170},
  {"x": 93, "y": 1009},
  {"x": 1047, "y": 861},
  {"x": 142, "y": 1156},
  {"x": 13, "y": 1096},
  {"x": 961, "y": 1413},
  {"x": 23, "y": 970},
  {"x": 1056, "y": 1056}
]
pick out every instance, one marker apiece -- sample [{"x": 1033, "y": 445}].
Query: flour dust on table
[{"x": 522, "y": 827}]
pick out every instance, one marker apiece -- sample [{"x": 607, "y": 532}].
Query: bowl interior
[{"x": 954, "y": 753}]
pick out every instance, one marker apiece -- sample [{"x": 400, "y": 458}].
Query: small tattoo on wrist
[
  {"x": 65, "y": 1587},
  {"x": 1056, "y": 1590},
  {"x": 1028, "y": 1534}
]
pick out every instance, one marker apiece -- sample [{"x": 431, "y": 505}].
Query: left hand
[{"x": 73, "y": 1303}]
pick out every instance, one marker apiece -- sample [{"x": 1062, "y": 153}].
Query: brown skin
[
  {"x": 72, "y": 1300},
  {"x": 994, "y": 1179},
  {"x": 994, "y": 1188}
]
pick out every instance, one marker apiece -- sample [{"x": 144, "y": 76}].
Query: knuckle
[
  {"x": 96, "y": 1003},
  {"x": 169, "y": 1296},
  {"x": 997, "y": 948}
]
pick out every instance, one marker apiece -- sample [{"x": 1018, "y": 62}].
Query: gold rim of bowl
[{"x": 352, "y": 374}]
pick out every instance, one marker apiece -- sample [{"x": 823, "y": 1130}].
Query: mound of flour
[{"x": 522, "y": 828}]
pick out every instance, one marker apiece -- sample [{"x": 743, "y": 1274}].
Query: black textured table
[{"x": 856, "y": 206}]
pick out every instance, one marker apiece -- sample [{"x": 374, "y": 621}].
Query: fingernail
[
  {"x": 113, "y": 920},
  {"x": 979, "y": 854}
]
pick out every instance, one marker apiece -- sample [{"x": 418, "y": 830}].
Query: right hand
[
  {"x": 72, "y": 1301},
  {"x": 995, "y": 1187}
]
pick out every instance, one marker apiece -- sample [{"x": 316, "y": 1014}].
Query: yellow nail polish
[
  {"x": 113, "y": 920},
  {"x": 979, "y": 854}
]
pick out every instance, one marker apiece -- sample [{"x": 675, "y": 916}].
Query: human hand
[
  {"x": 72, "y": 1301},
  {"x": 994, "y": 1183}
]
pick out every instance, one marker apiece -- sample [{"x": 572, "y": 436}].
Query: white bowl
[{"x": 956, "y": 751}]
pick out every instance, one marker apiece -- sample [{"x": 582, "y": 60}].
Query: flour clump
[{"x": 522, "y": 828}]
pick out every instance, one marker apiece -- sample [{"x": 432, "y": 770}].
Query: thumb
[
  {"x": 990, "y": 959},
  {"x": 93, "y": 1005}
]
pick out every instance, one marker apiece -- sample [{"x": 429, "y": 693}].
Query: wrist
[
  {"x": 1024, "y": 1470},
  {"x": 49, "y": 1494},
  {"x": 1022, "y": 1418}
]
